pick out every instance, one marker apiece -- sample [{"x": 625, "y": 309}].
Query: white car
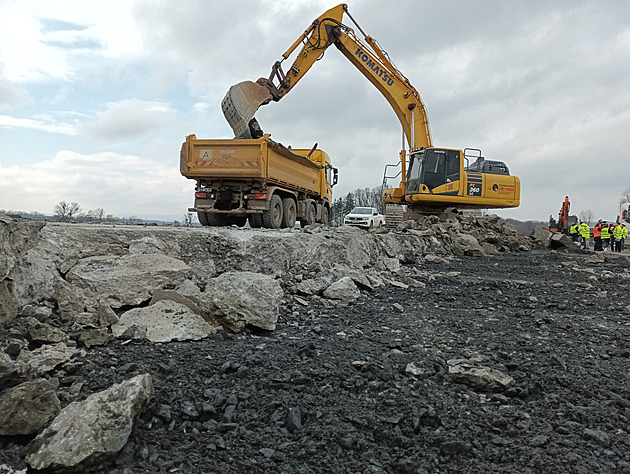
[{"x": 366, "y": 217}]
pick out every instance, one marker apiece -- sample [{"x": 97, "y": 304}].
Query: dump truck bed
[{"x": 259, "y": 159}]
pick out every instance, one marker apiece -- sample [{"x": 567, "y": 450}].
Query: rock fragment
[
  {"x": 26, "y": 408},
  {"x": 242, "y": 298},
  {"x": 343, "y": 289},
  {"x": 164, "y": 321},
  {"x": 479, "y": 378},
  {"x": 87, "y": 435}
]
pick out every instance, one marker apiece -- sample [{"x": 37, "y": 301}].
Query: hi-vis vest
[{"x": 618, "y": 232}]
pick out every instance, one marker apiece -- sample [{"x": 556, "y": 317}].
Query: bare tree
[
  {"x": 65, "y": 211},
  {"x": 96, "y": 215},
  {"x": 587, "y": 216},
  {"x": 625, "y": 196}
]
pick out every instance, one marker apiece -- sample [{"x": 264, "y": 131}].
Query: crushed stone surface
[{"x": 332, "y": 389}]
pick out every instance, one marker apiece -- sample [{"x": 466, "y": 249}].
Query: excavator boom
[{"x": 243, "y": 99}]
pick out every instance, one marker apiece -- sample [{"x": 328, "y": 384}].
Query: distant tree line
[
  {"x": 360, "y": 197},
  {"x": 71, "y": 212}
]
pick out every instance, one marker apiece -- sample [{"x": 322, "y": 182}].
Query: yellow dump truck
[{"x": 259, "y": 180}]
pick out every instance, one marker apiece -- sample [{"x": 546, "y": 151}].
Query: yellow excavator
[{"x": 432, "y": 180}]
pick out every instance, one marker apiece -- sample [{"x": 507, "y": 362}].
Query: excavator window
[
  {"x": 433, "y": 168},
  {"x": 414, "y": 174},
  {"x": 453, "y": 164}
]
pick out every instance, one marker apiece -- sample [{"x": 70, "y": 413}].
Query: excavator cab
[{"x": 432, "y": 168}]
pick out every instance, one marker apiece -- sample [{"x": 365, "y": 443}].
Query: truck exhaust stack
[{"x": 239, "y": 106}]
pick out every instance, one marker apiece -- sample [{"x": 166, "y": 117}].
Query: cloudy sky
[{"x": 96, "y": 97}]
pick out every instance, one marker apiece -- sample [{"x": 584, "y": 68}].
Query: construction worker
[
  {"x": 618, "y": 234},
  {"x": 585, "y": 232},
  {"x": 624, "y": 234},
  {"x": 605, "y": 236},
  {"x": 573, "y": 232},
  {"x": 611, "y": 230},
  {"x": 597, "y": 236}
]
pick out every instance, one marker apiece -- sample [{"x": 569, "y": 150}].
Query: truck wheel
[
  {"x": 238, "y": 221},
  {"x": 255, "y": 221},
  {"x": 325, "y": 216},
  {"x": 288, "y": 213},
  {"x": 203, "y": 218},
  {"x": 311, "y": 216},
  {"x": 218, "y": 220},
  {"x": 273, "y": 217}
]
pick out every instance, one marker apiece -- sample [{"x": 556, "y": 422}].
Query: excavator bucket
[{"x": 241, "y": 103}]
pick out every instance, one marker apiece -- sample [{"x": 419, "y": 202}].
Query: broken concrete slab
[
  {"x": 165, "y": 321},
  {"x": 242, "y": 298}
]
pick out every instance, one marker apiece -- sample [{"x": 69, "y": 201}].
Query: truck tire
[
  {"x": 217, "y": 220},
  {"x": 311, "y": 216},
  {"x": 272, "y": 219},
  {"x": 325, "y": 220},
  {"x": 203, "y": 218},
  {"x": 255, "y": 221},
  {"x": 288, "y": 213}
]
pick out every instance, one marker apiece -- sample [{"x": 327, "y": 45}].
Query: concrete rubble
[
  {"x": 68, "y": 289},
  {"x": 87, "y": 435},
  {"x": 64, "y": 279}
]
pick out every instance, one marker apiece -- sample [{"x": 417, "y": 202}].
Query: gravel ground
[{"x": 328, "y": 391}]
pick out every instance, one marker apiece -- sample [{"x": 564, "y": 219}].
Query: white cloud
[
  {"x": 541, "y": 86},
  {"x": 129, "y": 118},
  {"x": 121, "y": 184},
  {"x": 23, "y": 51},
  {"x": 31, "y": 52},
  {"x": 10, "y": 95},
  {"x": 44, "y": 124}
]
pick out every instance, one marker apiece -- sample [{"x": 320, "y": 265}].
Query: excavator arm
[{"x": 243, "y": 99}]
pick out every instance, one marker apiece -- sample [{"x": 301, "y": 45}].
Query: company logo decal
[{"x": 377, "y": 70}]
